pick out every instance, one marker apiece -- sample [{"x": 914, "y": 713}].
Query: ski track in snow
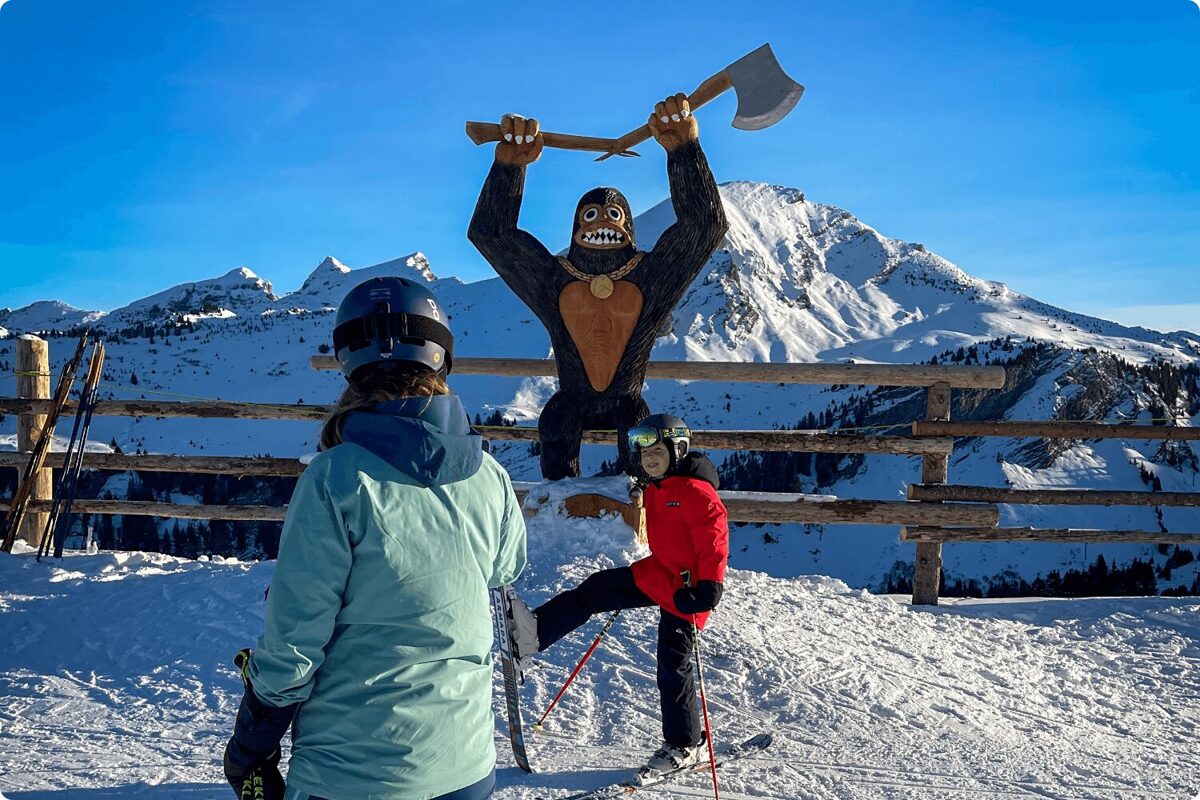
[{"x": 116, "y": 682}]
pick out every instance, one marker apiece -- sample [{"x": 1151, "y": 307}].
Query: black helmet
[
  {"x": 665, "y": 428},
  {"x": 392, "y": 321}
]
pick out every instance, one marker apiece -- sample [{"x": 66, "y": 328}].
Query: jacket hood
[
  {"x": 426, "y": 438},
  {"x": 696, "y": 465}
]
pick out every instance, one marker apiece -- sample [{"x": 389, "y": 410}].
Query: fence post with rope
[{"x": 33, "y": 382}]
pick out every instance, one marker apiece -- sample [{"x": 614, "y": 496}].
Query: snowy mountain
[
  {"x": 793, "y": 281},
  {"x": 44, "y": 315}
]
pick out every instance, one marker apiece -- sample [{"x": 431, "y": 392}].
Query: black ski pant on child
[{"x": 612, "y": 589}]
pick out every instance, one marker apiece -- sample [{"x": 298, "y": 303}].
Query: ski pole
[
  {"x": 579, "y": 666},
  {"x": 62, "y": 523},
  {"x": 58, "y": 519},
  {"x": 712, "y": 758},
  {"x": 69, "y": 456}
]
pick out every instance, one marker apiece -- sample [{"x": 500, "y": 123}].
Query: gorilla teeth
[{"x": 603, "y": 236}]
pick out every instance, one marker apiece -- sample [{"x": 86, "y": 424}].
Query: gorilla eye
[
  {"x": 591, "y": 214},
  {"x": 614, "y": 213}
]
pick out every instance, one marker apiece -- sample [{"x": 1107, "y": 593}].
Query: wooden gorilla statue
[{"x": 605, "y": 301}]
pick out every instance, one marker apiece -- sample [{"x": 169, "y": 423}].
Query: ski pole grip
[{"x": 242, "y": 662}]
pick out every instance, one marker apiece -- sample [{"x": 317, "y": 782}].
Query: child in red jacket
[{"x": 688, "y": 533}]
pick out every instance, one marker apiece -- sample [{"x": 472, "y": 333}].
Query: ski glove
[
  {"x": 702, "y": 597},
  {"x": 252, "y": 755},
  {"x": 262, "y": 782}
]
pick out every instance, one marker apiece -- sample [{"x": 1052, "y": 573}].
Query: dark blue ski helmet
[
  {"x": 392, "y": 321},
  {"x": 666, "y": 428}
]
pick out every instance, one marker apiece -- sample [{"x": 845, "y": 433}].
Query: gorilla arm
[
  {"x": 520, "y": 259},
  {"x": 675, "y": 261}
]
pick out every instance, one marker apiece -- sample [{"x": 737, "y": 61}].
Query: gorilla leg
[
  {"x": 627, "y": 411},
  {"x": 560, "y": 427}
]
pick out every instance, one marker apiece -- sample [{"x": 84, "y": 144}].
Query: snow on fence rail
[{"x": 935, "y": 513}]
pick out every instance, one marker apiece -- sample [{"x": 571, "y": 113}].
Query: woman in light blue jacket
[{"x": 378, "y": 633}]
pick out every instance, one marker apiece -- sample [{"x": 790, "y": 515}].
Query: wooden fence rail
[
  {"x": 936, "y": 512},
  {"x": 164, "y": 409},
  {"x": 1049, "y": 497},
  {"x": 920, "y": 375},
  {"x": 1056, "y": 429},
  {"x": 1062, "y": 535},
  {"x": 211, "y": 465},
  {"x": 771, "y": 440},
  {"x": 742, "y": 506}
]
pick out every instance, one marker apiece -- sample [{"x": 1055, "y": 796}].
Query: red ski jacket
[{"x": 688, "y": 530}]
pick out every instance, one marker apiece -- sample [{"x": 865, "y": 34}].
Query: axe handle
[
  {"x": 712, "y": 88},
  {"x": 483, "y": 132}
]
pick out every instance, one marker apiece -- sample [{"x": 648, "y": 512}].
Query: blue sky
[{"x": 1047, "y": 145}]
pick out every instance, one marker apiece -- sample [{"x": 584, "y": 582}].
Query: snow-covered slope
[
  {"x": 44, "y": 315},
  {"x": 117, "y": 682},
  {"x": 793, "y": 281}
]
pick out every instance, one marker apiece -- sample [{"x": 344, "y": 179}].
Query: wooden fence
[{"x": 935, "y": 512}]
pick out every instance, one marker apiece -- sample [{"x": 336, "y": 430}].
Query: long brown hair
[{"x": 377, "y": 386}]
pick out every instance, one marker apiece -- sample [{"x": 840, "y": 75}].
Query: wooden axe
[{"x": 765, "y": 95}]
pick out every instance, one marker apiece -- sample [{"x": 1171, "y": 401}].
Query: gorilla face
[{"x": 603, "y": 221}]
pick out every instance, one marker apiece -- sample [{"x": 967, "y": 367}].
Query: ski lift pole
[{"x": 578, "y": 667}]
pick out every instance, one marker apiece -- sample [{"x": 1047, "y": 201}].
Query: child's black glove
[
  {"x": 702, "y": 597},
  {"x": 252, "y": 755}
]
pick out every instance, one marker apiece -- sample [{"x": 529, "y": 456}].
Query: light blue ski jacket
[{"x": 378, "y": 619}]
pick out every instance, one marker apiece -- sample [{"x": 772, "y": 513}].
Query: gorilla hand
[
  {"x": 521, "y": 141},
  {"x": 672, "y": 122}
]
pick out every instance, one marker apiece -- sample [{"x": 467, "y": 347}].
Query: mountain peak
[
  {"x": 45, "y": 315},
  {"x": 331, "y": 280},
  {"x": 417, "y": 262},
  {"x": 330, "y": 264}
]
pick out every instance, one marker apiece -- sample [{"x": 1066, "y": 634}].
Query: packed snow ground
[{"x": 115, "y": 681}]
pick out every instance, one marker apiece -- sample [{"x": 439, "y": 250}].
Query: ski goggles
[{"x": 648, "y": 437}]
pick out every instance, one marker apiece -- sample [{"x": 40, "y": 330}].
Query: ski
[
  {"x": 41, "y": 446},
  {"x": 753, "y": 745},
  {"x": 58, "y": 521},
  {"x": 501, "y": 617}
]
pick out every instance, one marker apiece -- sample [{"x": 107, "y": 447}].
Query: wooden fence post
[
  {"x": 33, "y": 381},
  {"x": 935, "y": 468}
]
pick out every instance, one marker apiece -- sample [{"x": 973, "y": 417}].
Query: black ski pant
[{"x": 612, "y": 589}]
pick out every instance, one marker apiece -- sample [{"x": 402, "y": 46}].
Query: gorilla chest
[{"x": 600, "y": 327}]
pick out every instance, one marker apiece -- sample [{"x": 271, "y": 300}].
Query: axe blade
[{"x": 764, "y": 91}]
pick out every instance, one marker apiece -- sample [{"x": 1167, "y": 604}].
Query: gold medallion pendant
[{"x": 602, "y": 286}]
